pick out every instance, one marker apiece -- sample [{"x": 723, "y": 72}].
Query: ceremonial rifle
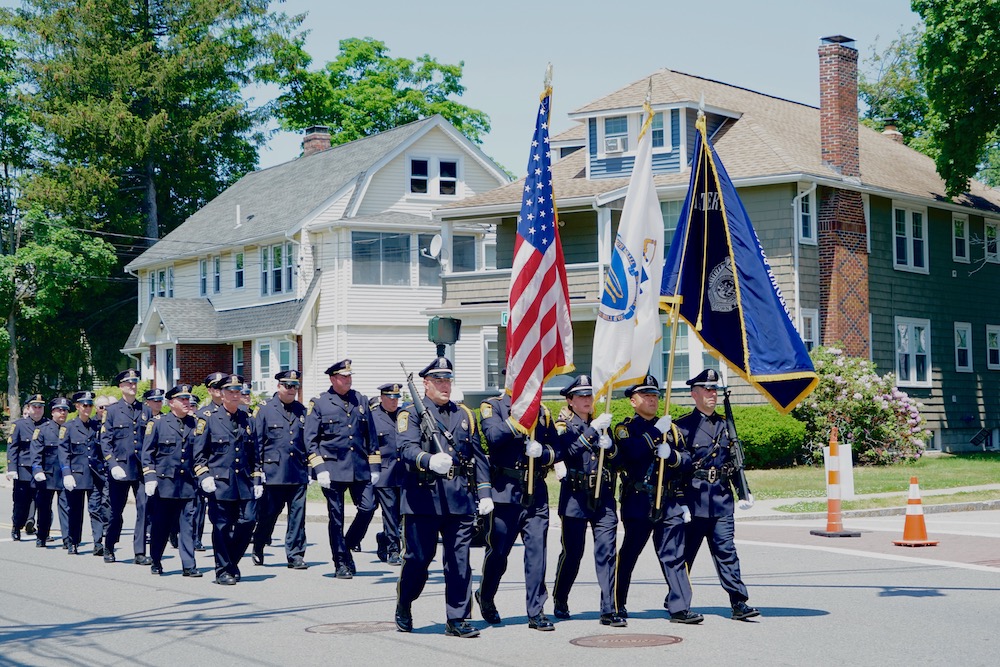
[
  {"x": 735, "y": 450},
  {"x": 428, "y": 426}
]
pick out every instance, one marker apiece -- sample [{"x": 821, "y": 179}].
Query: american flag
[{"x": 539, "y": 331}]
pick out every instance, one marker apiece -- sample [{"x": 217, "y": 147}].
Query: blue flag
[{"x": 719, "y": 278}]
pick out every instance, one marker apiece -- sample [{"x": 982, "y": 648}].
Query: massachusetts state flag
[
  {"x": 719, "y": 278},
  {"x": 539, "y": 331}
]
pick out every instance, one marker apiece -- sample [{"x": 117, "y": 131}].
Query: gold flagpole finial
[
  {"x": 548, "y": 75},
  {"x": 701, "y": 107},
  {"x": 649, "y": 92}
]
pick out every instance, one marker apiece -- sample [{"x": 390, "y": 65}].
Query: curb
[{"x": 882, "y": 511}]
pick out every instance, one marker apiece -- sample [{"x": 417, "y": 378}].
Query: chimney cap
[
  {"x": 317, "y": 129},
  {"x": 838, "y": 39}
]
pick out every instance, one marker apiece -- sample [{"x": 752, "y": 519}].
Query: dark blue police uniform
[
  {"x": 19, "y": 461},
  {"x": 76, "y": 453},
  {"x": 45, "y": 460},
  {"x": 387, "y": 488}
]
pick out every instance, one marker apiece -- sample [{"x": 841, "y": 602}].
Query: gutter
[{"x": 796, "y": 214}]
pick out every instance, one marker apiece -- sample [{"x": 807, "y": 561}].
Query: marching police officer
[
  {"x": 515, "y": 512},
  {"x": 168, "y": 471},
  {"x": 226, "y": 465},
  {"x": 709, "y": 493},
  {"x": 387, "y": 488},
  {"x": 438, "y": 498},
  {"x": 121, "y": 443},
  {"x": 581, "y": 440},
  {"x": 643, "y": 442},
  {"x": 200, "y": 507},
  {"x": 48, "y": 473},
  {"x": 343, "y": 454},
  {"x": 98, "y": 503},
  {"x": 19, "y": 466},
  {"x": 152, "y": 405},
  {"x": 76, "y": 454},
  {"x": 279, "y": 424}
]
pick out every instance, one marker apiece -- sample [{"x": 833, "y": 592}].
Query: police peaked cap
[
  {"x": 440, "y": 367},
  {"x": 60, "y": 402},
  {"x": 130, "y": 375},
  {"x": 35, "y": 399},
  {"x": 214, "y": 378},
  {"x": 707, "y": 378},
  {"x": 289, "y": 377},
  {"x": 581, "y": 386},
  {"x": 649, "y": 385},
  {"x": 230, "y": 381},
  {"x": 84, "y": 397},
  {"x": 179, "y": 391},
  {"x": 342, "y": 367},
  {"x": 391, "y": 390},
  {"x": 152, "y": 395}
]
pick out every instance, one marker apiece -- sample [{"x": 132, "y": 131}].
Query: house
[
  {"x": 868, "y": 251},
  {"x": 325, "y": 257}
]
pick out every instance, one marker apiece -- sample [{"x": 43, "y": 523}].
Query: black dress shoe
[
  {"x": 613, "y": 620},
  {"x": 404, "y": 619},
  {"x": 29, "y": 527},
  {"x": 352, "y": 567},
  {"x": 382, "y": 550},
  {"x": 356, "y": 548},
  {"x": 394, "y": 559},
  {"x": 743, "y": 611},
  {"x": 109, "y": 556},
  {"x": 560, "y": 610},
  {"x": 237, "y": 576},
  {"x": 73, "y": 549},
  {"x": 173, "y": 541},
  {"x": 15, "y": 534},
  {"x": 226, "y": 579},
  {"x": 623, "y": 612},
  {"x": 686, "y": 616},
  {"x": 98, "y": 549},
  {"x": 460, "y": 629},
  {"x": 198, "y": 546},
  {"x": 541, "y": 622},
  {"x": 489, "y": 610},
  {"x": 156, "y": 569},
  {"x": 142, "y": 559},
  {"x": 65, "y": 544},
  {"x": 40, "y": 544},
  {"x": 298, "y": 563},
  {"x": 257, "y": 557},
  {"x": 344, "y": 572},
  {"x": 192, "y": 572}
]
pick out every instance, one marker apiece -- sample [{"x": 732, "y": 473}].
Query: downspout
[
  {"x": 603, "y": 248},
  {"x": 796, "y": 230}
]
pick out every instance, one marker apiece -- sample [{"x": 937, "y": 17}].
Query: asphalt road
[{"x": 824, "y": 601}]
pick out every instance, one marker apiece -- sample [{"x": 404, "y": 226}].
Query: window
[
  {"x": 438, "y": 177},
  {"x": 238, "y": 365},
  {"x": 284, "y": 355},
  {"x": 203, "y": 277},
  {"x": 807, "y": 220},
  {"x": 960, "y": 238},
  {"x": 615, "y": 134},
  {"x": 963, "y": 347},
  {"x": 419, "y": 175},
  {"x": 991, "y": 242},
  {"x": 810, "y": 328},
  {"x": 276, "y": 269},
  {"x": 152, "y": 285},
  {"x": 380, "y": 259},
  {"x": 161, "y": 282},
  {"x": 690, "y": 358},
  {"x": 238, "y": 270},
  {"x": 656, "y": 128},
  {"x": 492, "y": 356},
  {"x": 170, "y": 281},
  {"x": 216, "y": 274},
  {"x": 993, "y": 347},
  {"x": 264, "y": 360},
  {"x": 913, "y": 352},
  {"x": 429, "y": 269},
  {"x": 910, "y": 249},
  {"x": 448, "y": 178},
  {"x": 463, "y": 256}
]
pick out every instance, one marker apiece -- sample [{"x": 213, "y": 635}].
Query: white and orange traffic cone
[
  {"x": 834, "y": 518},
  {"x": 914, "y": 530}
]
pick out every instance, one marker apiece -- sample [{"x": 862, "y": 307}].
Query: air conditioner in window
[{"x": 615, "y": 144}]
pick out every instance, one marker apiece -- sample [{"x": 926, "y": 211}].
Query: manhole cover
[
  {"x": 624, "y": 641},
  {"x": 356, "y": 628}
]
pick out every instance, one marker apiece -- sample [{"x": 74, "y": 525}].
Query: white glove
[
  {"x": 663, "y": 424},
  {"x": 324, "y": 479},
  {"x": 686, "y": 513},
  {"x": 119, "y": 473},
  {"x": 39, "y": 476},
  {"x": 440, "y": 463},
  {"x": 258, "y": 491},
  {"x": 263, "y": 478},
  {"x": 746, "y": 504},
  {"x": 151, "y": 487},
  {"x": 533, "y": 449},
  {"x": 208, "y": 484},
  {"x": 602, "y": 421},
  {"x": 375, "y": 477},
  {"x": 560, "y": 469},
  {"x": 69, "y": 482},
  {"x": 11, "y": 475},
  {"x": 663, "y": 450},
  {"x": 604, "y": 442},
  {"x": 485, "y": 506}
]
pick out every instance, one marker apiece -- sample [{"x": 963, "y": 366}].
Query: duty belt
[
  {"x": 519, "y": 474},
  {"x": 588, "y": 481},
  {"x": 453, "y": 472},
  {"x": 710, "y": 474},
  {"x": 645, "y": 486}
]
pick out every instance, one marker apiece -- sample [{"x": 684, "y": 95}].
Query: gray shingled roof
[
  {"x": 771, "y": 138},
  {"x": 276, "y": 199}
]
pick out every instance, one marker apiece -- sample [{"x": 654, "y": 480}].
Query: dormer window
[
  {"x": 436, "y": 177},
  {"x": 616, "y": 134},
  {"x": 657, "y": 130}
]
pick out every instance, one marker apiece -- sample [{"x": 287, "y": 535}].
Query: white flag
[{"x": 628, "y": 321}]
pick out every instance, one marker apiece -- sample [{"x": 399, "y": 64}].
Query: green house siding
[{"x": 578, "y": 235}]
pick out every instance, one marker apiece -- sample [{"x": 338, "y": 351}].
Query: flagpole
[{"x": 668, "y": 383}]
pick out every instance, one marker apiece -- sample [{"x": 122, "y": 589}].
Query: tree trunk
[
  {"x": 152, "y": 222},
  {"x": 13, "y": 395}
]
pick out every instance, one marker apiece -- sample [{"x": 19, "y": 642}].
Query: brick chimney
[
  {"x": 316, "y": 139},
  {"x": 838, "y": 104},
  {"x": 892, "y": 131}
]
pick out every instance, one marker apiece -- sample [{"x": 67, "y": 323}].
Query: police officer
[
  {"x": 515, "y": 512},
  {"x": 121, "y": 434},
  {"x": 168, "y": 474},
  {"x": 50, "y": 476},
  {"x": 439, "y": 498},
  {"x": 98, "y": 504},
  {"x": 343, "y": 454},
  {"x": 226, "y": 465},
  {"x": 76, "y": 453},
  {"x": 709, "y": 493},
  {"x": 19, "y": 466},
  {"x": 152, "y": 405},
  {"x": 581, "y": 440},
  {"x": 643, "y": 442},
  {"x": 200, "y": 507},
  {"x": 387, "y": 488},
  {"x": 279, "y": 424}
]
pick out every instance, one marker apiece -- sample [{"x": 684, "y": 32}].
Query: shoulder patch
[
  {"x": 201, "y": 427},
  {"x": 149, "y": 427},
  {"x": 486, "y": 410},
  {"x": 402, "y": 422},
  {"x": 560, "y": 427},
  {"x": 621, "y": 431},
  {"x": 472, "y": 419}
]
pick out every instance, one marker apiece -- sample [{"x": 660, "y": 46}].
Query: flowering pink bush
[{"x": 883, "y": 424}]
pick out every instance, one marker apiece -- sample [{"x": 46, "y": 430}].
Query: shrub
[
  {"x": 770, "y": 439},
  {"x": 883, "y": 423}
]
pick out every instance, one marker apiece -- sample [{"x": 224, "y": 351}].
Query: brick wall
[
  {"x": 838, "y": 101},
  {"x": 843, "y": 266},
  {"x": 197, "y": 361}
]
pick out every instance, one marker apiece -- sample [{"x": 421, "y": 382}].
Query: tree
[
  {"x": 364, "y": 92},
  {"x": 959, "y": 59}
]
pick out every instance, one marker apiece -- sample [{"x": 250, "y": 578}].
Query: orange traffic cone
[
  {"x": 914, "y": 530},
  {"x": 834, "y": 519}
]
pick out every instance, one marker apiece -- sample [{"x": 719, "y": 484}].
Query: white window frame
[
  {"x": 964, "y": 219},
  {"x": 412, "y": 240},
  {"x": 263, "y": 380},
  {"x": 434, "y": 178},
  {"x": 152, "y": 286},
  {"x": 911, "y": 323},
  {"x": 216, "y": 274},
  {"x": 170, "y": 281},
  {"x": 809, "y": 327},
  {"x": 991, "y": 257},
  {"x": 604, "y": 135},
  {"x": 268, "y": 270},
  {"x": 491, "y": 348},
  {"x": 202, "y": 278},
  {"x": 992, "y": 343},
  {"x": 909, "y": 239},
  {"x": 963, "y": 328},
  {"x": 239, "y": 270},
  {"x": 239, "y": 361},
  {"x": 806, "y": 213},
  {"x": 693, "y": 350}
]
